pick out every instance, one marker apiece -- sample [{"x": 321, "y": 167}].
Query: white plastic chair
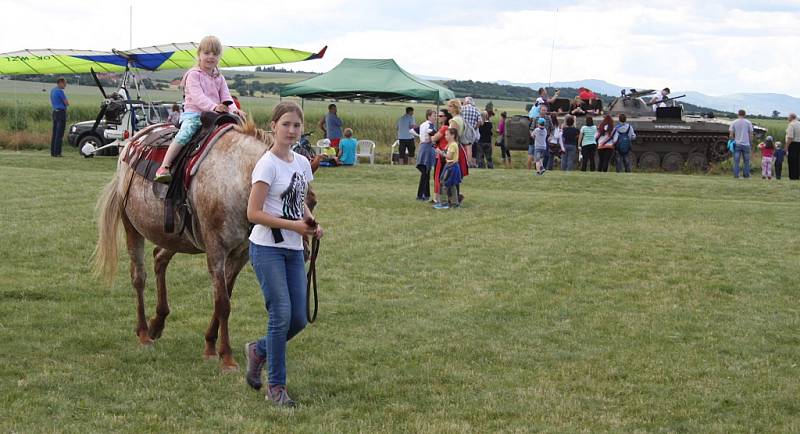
[
  {"x": 395, "y": 147},
  {"x": 365, "y": 148},
  {"x": 321, "y": 144}
]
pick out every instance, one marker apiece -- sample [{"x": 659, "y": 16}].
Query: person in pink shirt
[
  {"x": 205, "y": 90},
  {"x": 767, "y": 151}
]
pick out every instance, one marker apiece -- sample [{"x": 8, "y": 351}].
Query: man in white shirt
[
  {"x": 658, "y": 99},
  {"x": 793, "y": 147}
]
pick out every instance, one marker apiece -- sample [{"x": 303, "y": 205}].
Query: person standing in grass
[
  {"x": 569, "y": 144},
  {"x": 588, "y": 143},
  {"x": 472, "y": 121},
  {"x": 548, "y": 125},
  {"x": 767, "y": 150},
  {"x": 624, "y": 135},
  {"x": 779, "y": 155},
  {"x": 793, "y": 147},
  {"x": 331, "y": 126},
  {"x": 605, "y": 142},
  {"x": 451, "y": 173},
  {"x": 458, "y": 122},
  {"x": 741, "y": 130},
  {"x": 537, "y": 150},
  {"x": 505, "y": 154},
  {"x": 484, "y": 146},
  {"x": 425, "y": 157},
  {"x": 277, "y": 208},
  {"x": 555, "y": 143},
  {"x": 439, "y": 141},
  {"x": 59, "y": 103},
  {"x": 404, "y": 125}
]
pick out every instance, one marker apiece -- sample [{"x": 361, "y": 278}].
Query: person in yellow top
[{"x": 451, "y": 174}]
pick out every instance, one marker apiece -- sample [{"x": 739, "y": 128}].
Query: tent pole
[{"x": 303, "y": 103}]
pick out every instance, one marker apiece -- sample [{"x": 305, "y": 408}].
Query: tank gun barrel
[{"x": 667, "y": 99}]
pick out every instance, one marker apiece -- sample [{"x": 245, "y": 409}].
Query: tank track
[{"x": 672, "y": 151}]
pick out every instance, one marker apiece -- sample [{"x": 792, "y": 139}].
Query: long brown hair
[
  {"x": 286, "y": 107},
  {"x": 606, "y": 126}
]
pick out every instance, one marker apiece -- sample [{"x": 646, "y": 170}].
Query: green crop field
[
  {"x": 570, "y": 302},
  {"x": 25, "y": 117}
]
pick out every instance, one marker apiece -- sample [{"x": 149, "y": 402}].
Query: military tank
[
  {"x": 665, "y": 138},
  {"x": 669, "y": 139}
]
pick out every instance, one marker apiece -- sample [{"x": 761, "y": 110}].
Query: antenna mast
[{"x": 553, "y": 49}]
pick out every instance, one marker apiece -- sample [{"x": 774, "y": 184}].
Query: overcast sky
[{"x": 711, "y": 46}]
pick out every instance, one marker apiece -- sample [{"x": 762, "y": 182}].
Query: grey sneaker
[
  {"x": 255, "y": 365},
  {"x": 277, "y": 394}
]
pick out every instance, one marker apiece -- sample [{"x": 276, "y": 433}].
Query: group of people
[
  {"x": 341, "y": 146},
  {"x": 452, "y": 141},
  {"x": 552, "y": 138},
  {"x": 772, "y": 152}
]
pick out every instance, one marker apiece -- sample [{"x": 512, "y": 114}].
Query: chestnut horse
[{"x": 218, "y": 197}]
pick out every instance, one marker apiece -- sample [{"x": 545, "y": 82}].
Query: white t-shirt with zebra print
[{"x": 288, "y": 184}]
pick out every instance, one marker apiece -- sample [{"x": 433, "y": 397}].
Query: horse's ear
[{"x": 315, "y": 164}]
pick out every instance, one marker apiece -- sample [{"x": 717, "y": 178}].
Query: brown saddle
[{"x": 147, "y": 149}]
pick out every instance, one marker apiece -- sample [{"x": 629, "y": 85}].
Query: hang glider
[{"x": 169, "y": 56}]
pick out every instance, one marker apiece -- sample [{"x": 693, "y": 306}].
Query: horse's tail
[{"x": 109, "y": 211}]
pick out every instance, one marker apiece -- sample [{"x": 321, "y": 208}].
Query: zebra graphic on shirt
[{"x": 294, "y": 197}]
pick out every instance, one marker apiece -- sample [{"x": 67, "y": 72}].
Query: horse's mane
[{"x": 249, "y": 129}]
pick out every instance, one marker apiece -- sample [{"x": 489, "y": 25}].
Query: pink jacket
[{"x": 203, "y": 91}]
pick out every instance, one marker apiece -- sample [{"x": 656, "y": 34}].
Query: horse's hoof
[
  {"x": 210, "y": 357},
  {"x": 230, "y": 368},
  {"x": 145, "y": 341}
]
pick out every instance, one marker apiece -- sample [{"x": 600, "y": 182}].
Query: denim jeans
[
  {"x": 744, "y": 152},
  {"x": 59, "y": 124},
  {"x": 624, "y": 162},
  {"x": 568, "y": 159},
  {"x": 281, "y": 274}
]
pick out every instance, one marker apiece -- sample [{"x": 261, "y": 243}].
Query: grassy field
[{"x": 572, "y": 302}]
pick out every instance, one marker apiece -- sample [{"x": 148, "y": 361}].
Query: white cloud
[{"x": 711, "y": 46}]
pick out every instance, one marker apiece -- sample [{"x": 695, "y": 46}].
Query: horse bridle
[{"x": 311, "y": 278}]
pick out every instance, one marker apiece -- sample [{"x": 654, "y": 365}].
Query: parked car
[{"x": 80, "y": 133}]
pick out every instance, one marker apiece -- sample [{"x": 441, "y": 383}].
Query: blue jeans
[
  {"x": 568, "y": 159},
  {"x": 282, "y": 276},
  {"x": 744, "y": 152},
  {"x": 59, "y": 124}
]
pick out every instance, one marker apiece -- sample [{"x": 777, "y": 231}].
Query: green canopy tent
[{"x": 368, "y": 78}]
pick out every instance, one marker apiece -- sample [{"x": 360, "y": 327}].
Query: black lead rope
[{"x": 311, "y": 277}]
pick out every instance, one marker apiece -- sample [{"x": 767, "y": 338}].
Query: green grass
[{"x": 572, "y": 302}]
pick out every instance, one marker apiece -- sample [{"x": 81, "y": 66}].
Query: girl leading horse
[{"x": 218, "y": 198}]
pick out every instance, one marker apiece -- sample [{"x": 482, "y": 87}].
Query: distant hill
[{"x": 755, "y": 103}]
